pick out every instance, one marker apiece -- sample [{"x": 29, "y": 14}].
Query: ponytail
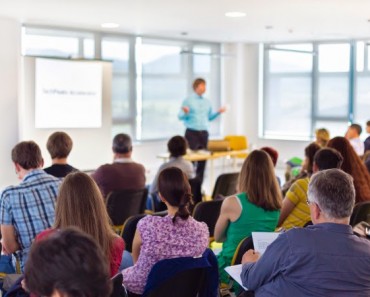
[{"x": 183, "y": 211}]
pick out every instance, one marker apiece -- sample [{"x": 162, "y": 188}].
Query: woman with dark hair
[
  {"x": 175, "y": 235},
  {"x": 353, "y": 165},
  {"x": 295, "y": 211},
  {"x": 255, "y": 208}
]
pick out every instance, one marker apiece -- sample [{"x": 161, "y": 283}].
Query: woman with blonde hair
[
  {"x": 80, "y": 204},
  {"x": 255, "y": 208},
  {"x": 322, "y": 137}
]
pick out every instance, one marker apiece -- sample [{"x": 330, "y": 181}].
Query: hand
[
  {"x": 185, "y": 109},
  {"x": 251, "y": 256},
  {"x": 222, "y": 109}
]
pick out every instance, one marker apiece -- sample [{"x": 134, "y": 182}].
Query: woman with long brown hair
[
  {"x": 255, "y": 208},
  {"x": 353, "y": 165},
  {"x": 80, "y": 204}
]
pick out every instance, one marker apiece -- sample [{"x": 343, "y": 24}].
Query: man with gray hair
[{"x": 325, "y": 259}]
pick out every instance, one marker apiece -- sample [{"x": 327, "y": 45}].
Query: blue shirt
[
  {"x": 320, "y": 260},
  {"x": 200, "y": 113},
  {"x": 29, "y": 207}
]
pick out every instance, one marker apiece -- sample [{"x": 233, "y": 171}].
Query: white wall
[{"x": 10, "y": 36}]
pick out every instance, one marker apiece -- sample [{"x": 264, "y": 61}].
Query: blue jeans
[{"x": 126, "y": 261}]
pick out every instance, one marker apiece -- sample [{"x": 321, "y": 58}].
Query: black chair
[
  {"x": 208, "y": 212},
  {"x": 118, "y": 289},
  {"x": 245, "y": 245},
  {"x": 360, "y": 213},
  {"x": 125, "y": 203},
  {"x": 225, "y": 185}
]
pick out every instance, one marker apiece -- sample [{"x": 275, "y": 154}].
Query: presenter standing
[{"x": 196, "y": 112}]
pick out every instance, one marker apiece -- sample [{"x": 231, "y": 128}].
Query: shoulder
[
  {"x": 44, "y": 234},
  {"x": 231, "y": 203},
  {"x": 148, "y": 221},
  {"x": 138, "y": 166},
  {"x": 118, "y": 243}
]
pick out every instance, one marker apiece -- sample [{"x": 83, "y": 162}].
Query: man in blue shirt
[
  {"x": 325, "y": 259},
  {"x": 27, "y": 209},
  {"x": 196, "y": 112}
]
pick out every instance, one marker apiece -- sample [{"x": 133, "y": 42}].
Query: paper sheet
[
  {"x": 235, "y": 272},
  {"x": 261, "y": 240}
]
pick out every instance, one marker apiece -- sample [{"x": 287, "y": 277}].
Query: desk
[{"x": 195, "y": 156}]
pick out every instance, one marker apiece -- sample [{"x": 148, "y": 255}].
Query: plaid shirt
[{"x": 30, "y": 208}]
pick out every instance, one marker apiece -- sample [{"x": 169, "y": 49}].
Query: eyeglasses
[{"x": 308, "y": 201}]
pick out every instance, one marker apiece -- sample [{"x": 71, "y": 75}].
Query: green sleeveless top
[{"x": 252, "y": 219}]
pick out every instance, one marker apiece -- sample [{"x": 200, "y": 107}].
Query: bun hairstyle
[{"x": 174, "y": 186}]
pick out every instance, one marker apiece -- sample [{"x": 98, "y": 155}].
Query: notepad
[
  {"x": 235, "y": 271},
  {"x": 261, "y": 240}
]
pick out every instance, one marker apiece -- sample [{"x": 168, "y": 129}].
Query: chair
[
  {"x": 118, "y": 289},
  {"x": 208, "y": 212},
  {"x": 184, "y": 277},
  {"x": 360, "y": 213},
  {"x": 125, "y": 203},
  {"x": 245, "y": 245},
  {"x": 225, "y": 185},
  {"x": 238, "y": 143}
]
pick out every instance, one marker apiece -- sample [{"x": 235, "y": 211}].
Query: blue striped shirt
[
  {"x": 29, "y": 207},
  {"x": 200, "y": 113}
]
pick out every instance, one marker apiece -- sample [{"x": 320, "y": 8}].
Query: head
[
  {"x": 177, "y": 146},
  {"x": 199, "y": 86},
  {"x": 331, "y": 196},
  {"x": 327, "y": 158},
  {"x": 309, "y": 153},
  {"x": 354, "y": 131},
  {"x": 322, "y": 136},
  {"x": 79, "y": 204},
  {"x": 68, "y": 263},
  {"x": 274, "y": 155},
  {"x": 122, "y": 144},
  {"x": 26, "y": 156},
  {"x": 59, "y": 145},
  {"x": 368, "y": 127},
  {"x": 174, "y": 189},
  {"x": 257, "y": 178}
]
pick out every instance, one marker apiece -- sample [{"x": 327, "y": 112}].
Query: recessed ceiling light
[
  {"x": 109, "y": 25},
  {"x": 235, "y": 14}
]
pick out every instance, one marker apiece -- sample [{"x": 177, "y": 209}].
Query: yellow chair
[{"x": 238, "y": 143}]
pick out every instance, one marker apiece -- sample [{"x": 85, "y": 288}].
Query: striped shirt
[
  {"x": 297, "y": 194},
  {"x": 30, "y": 208}
]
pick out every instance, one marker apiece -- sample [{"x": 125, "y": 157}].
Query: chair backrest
[
  {"x": 125, "y": 203},
  {"x": 208, "y": 212},
  {"x": 118, "y": 289},
  {"x": 360, "y": 213},
  {"x": 245, "y": 245},
  {"x": 184, "y": 277},
  {"x": 129, "y": 229},
  {"x": 237, "y": 142},
  {"x": 196, "y": 190},
  {"x": 225, "y": 185}
]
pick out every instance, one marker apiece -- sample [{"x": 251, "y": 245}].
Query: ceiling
[{"x": 290, "y": 20}]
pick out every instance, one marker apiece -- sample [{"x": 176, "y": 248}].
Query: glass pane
[
  {"x": 202, "y": 60},
  {"x": 120, "y": 97},
  {"x": 334, "y": 57},
  {"x": 161, "y": 103},
  {"x": 89, "y": 48},
  {"x": 288, "y": 107},
  {"x": 281, "y": 61},
  {"x": 360, "y": 55},
  {"x": 333, "y": 96},
  {"x": 118, "y": 52},
  {"x": 362, "y": 103},
  {"x": 297, "y": 47},
  {"x": 122, "y": 128},
  {"x": 334, "y": 128},
  {"x": 161, "y": 59}
]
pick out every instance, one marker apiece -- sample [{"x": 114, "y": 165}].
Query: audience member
[
  {"x": 67, "y": 264},
  {"x": 366, "y": 160},
  {"x": 274, "y": 155},
  {"x": 367, "y": 140},
  {"x": 322, "y": 137},
  {"x": 27, "y": 209},
  {"x": 325, "y": 259},
  {"x": 295, "y": 211},
  {"x": 59, "y": 146},
  {"x": 172, "y": 236},
  {"x": 353, "y": 135},
  {"x": 353, "y": 165},
  {"x": 255, "y": 208},
  {"x": 124, "y": 173},
  {"x": 80, "y": 204}
]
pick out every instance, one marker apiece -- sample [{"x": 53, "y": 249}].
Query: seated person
[
  {"x": 124, "y": 173},
  {"x": 28, "y": 208},
  {"x": 294, "y": 212},
  {"x": 59, "y": 146},
  {"x": 353, "y": 135},
  {"x": 177, "y": 146},
  {"x": 58, "y": 268},
  {"x": 79, "y": 204},
  {"x": 175, "y": 235},
  {"x": 255, "y": 208},
  {"x": 367, "y": 140},
  {"x": 274, "y": 155},
  {"x": 325, "y": 259},
  {"x": 322, "y": 137}
]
